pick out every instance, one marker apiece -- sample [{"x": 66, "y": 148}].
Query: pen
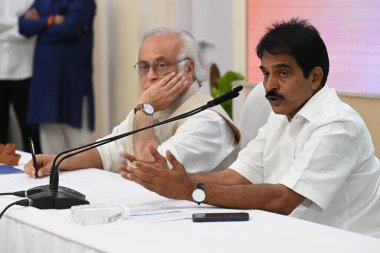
[{"x": 31, "y": 145}]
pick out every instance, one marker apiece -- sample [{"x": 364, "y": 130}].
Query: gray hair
[{"x": 190, "y": 50}]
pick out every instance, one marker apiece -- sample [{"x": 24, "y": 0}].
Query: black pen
[{"x": 31, "y": 145}]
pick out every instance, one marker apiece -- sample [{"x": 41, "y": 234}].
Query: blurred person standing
[
  {"x": 16, "y": 58},
  {"x": 61, "y": 94}
]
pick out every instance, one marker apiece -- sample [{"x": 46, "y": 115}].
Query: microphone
[
  {"x": 53, "y": 196},
  {"x": 225, "y": 97}
]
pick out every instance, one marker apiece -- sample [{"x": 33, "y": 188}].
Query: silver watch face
[
  {"x": 199, "y": 195},
  {"x": 148, "y": 109}
]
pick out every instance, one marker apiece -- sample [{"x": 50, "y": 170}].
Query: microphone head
[
  {"x": 225, "y": 97},
  {"x": 238, "y": 88}
]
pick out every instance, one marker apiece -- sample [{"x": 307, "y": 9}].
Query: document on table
[
  {"x": 160, "y": 211},
  {"x": 9, "y": 169},
  {"x": 162, "y": 216},
  {"x": 172, "y": 210}
]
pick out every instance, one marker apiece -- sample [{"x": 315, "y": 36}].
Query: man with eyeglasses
[{"x": 170, "y": 74}]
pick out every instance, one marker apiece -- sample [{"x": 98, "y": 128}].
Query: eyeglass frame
[{"x": 154, "y": 65}]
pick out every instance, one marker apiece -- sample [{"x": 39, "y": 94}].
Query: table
[{"x": 27, "y": 229}]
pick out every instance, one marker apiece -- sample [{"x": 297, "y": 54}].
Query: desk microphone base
[{"x": 64, "y": 198}]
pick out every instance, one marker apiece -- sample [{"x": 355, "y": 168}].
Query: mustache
[{"x": 273, "y": 93}]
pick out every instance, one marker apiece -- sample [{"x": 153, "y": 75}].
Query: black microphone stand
[{"x": 53, "y": 196}]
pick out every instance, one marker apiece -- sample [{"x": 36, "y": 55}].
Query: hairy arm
[
  {"x": 275, "y": 198},
  {"x": 226, "y": 188},
  {"x": 230, "y": 189},
  {"x": 225, "y": 177},
  {"x": 143, "y": 138},
  {"x": 88, "y": 159}
]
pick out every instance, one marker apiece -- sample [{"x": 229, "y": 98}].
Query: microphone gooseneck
[{"x": 53, "y": 196}]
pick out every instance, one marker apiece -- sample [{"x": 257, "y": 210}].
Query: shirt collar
[{"x": 313, "y": 105}]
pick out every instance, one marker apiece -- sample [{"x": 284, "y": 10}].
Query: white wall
[{"x": 210, "y": 22}]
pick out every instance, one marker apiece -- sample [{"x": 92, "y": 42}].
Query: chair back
[{"x": 254, "y": 114}]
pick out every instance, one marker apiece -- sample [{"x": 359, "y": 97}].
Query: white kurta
[
  {"x": 201, "y": 143},
  {"x": 325, "y": 154}
]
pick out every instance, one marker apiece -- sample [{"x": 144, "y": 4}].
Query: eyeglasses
[{"x": 160, "y": 67}]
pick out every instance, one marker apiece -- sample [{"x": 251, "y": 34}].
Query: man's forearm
[
  {"x": 143, "y": 138},
  {"x": 268, "y": 197},
  {"x": 88, "y": 159},
  {"x": 225, "y": 177}
]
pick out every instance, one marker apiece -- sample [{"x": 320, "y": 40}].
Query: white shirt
[
  {"x": 16, "y": 51},
  {"x": 201, "y": 143},
  {"x": 325, "y": 154}
]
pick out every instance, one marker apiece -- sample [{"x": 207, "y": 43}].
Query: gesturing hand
[{"x": 155, "y": 176}]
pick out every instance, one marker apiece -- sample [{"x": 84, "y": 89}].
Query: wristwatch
[
  {"x": 145, "y": 107},
  {"x": 199, "y": 194}
]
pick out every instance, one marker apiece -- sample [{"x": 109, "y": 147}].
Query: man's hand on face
[
  {"x": 163, "y": 93},
  {"x": 157, "y": 177}
]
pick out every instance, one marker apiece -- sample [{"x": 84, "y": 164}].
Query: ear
[
  {"x": 316, "y": 75},
  {"x": 190, "y": 68}
]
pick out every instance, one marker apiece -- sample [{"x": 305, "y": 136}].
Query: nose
[
  {"x": 152, "y": 74},
  {"x": 270, "y": 83}
]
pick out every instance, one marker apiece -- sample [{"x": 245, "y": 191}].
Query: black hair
[{"x": 299, "y": 39}]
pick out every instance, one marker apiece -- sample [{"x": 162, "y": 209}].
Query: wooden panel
[{"x": 369, "y": 110}]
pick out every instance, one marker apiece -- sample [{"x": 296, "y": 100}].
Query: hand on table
[{"x": 44, "y": 163}]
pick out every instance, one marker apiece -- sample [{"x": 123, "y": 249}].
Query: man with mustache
[{"x": 314, "y": 159}]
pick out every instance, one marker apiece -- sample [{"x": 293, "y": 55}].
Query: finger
[
  {"x": 134, "y": 178},
  {"x": 173, "y": 83},
  {"x": 125, "y": 175},
  {"x": 178, "y": 88},
  {"x": 156, "y": 155},
  {"x": 136, "y": 173},
  {"x": 128, "y": 156},
  {"x": 124, "y": 172},
  {"x": 174, "y": 162},
  {"x": 122, "y": 167},
  {"x": 166, "y": 80},
  {"x": 29, "y": 169},
  {"x": 143, "y": 168},
  {"x": 44, "y": 171}
]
